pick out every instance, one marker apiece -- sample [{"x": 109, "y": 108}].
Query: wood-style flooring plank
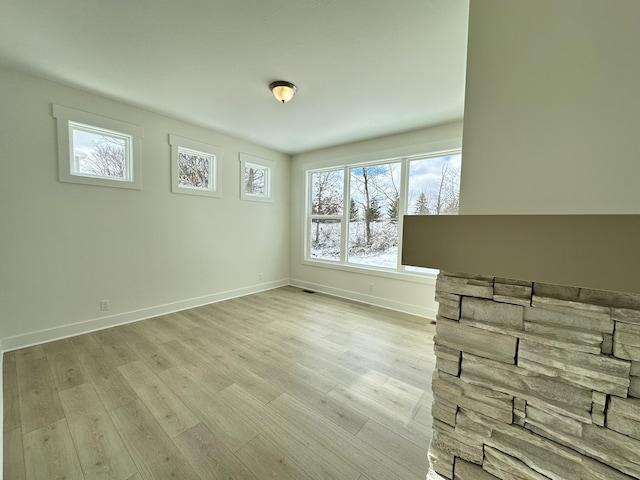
[
  {"x": 39, "y": 401},
  {"x": 155, "y": 455},
  {"x": 198, "y": 364},
  {"x": 147, "y": 350},
  {"x": 101, "y": 452},
  {"x": 113, "y": 389},
  {"x": 213, "y": 412},
  {"x": 13, "y": 466},
  {"x": 266, "y": 360},
  {"x": 49, "y": 453},
  {"x": 11, "y": 399},
  {"x": 364, "y": 457},
  {"x": 84, "y": 343},
  {"x": 209, "y": 457},
  {"x": 114, "y": 346},
  {"x": 267, "y": 462},
  {"x": 400, "y": 424},
  {"x": 423, "y": 416},
  {"x": 395, "y": 446},
  {"x": 329, "y": 408},
  {"x": 225, "y": 365},
  {"x": 33, "y": 353},
  {"x": 169, "y": 411},
  {"x": 311, "y": 455},
  {"x": 65, "y": 365}
]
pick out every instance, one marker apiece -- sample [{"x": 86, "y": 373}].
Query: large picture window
[
  {"x": 354, "y": 213},
  {"x": 373, "y": 217}
]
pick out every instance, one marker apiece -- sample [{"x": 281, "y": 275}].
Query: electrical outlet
[
  {"x": 260, "y": 276},
  {"x": 371, "y": 287},
  {"x": 104, "y": 305}
]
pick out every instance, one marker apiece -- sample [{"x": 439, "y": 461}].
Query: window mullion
[
  {"x": 402, "y": 206},
  {"x": 344, "y": 231}
]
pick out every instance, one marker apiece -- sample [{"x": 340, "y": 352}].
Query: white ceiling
[{"x": 364, "y": 68}]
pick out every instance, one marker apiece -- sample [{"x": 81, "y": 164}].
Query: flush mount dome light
[{"x": 283, "y": 91}]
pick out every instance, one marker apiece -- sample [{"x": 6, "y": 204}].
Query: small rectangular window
[
  {"x": 100, "y": 153},
  {"x": 194, "y": 167},
  {"x": 96, "y": 150},
  {"x": 256, "y": 178}
]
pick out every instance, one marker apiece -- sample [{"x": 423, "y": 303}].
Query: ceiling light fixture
[{"x": 283, "y": 91}]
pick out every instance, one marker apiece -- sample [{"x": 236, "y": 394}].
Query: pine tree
[
  {"x": 353, "y": 211},
  {"x": 373, "y": 213},
  {"x": 392, "y": 210},
  {"x": 420, "y": 207}
]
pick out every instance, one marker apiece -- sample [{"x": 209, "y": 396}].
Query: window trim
[
  {"x": 216, "y": 152},
  {"x": 400, "y": 272},
  {"x": 67, "y": 117}
]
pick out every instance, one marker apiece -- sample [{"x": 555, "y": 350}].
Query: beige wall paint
[
  {"x": 65, "y": 247},
  {"x": 394, "y": 292},
  {"x": 552, "y": 115}
]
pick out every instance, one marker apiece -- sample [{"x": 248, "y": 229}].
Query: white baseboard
[
  {"x": 64, "y": 331},
  {"x": 418, "y": 310}
]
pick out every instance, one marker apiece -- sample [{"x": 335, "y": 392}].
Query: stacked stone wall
[{"x": 534, "y": 382}]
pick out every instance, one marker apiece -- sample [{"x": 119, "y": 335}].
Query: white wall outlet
[
  {"x": 371, "y": 287},
  {"x": 104, "y": 305},
  {"x": 260, "y": 275}
]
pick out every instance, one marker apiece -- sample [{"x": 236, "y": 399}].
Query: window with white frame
[
  {"x": 194, "y": 167},
  {"x": 326, "y": 218},
  {"x": 354, "y": 212},
  {"x": 256, "y": 178},
  {"x": 96, "y": 150}
]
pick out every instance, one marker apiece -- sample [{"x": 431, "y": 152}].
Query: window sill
[{"x": 424, "y": 278}]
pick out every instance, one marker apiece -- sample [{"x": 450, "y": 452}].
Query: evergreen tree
[
  {"x": 420, "y": 207},
  {"x": 373, "y": 213},
  {"x": 353, "y": 211},
  {"x": 392, "y": 210}
]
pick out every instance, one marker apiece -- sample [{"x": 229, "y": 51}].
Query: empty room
[{"x": 284, "y": 239}]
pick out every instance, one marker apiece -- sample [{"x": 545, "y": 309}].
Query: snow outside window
[
  {"x": 326, "y": 218},
  {"x": 358, "y": 222}
]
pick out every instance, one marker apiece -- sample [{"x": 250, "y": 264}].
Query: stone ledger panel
[{"x": 534, "y": 381}]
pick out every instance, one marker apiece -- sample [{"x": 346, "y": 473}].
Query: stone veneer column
[{"x": 534, "y": 382}]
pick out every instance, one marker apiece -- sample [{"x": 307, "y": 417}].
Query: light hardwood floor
[{"x": 279, "y": 385}]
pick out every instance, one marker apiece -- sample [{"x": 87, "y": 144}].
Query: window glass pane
[
  {"x": 194, "y": 169},
  {"x": 327, "y": 195},
  {"x": 434, "y": 185},
  {"x": 373, "y": 215},
  {"x": 325, "y": 238},
  {"x": 97, "y": 153},
  {"x": 255, "y": 180}
]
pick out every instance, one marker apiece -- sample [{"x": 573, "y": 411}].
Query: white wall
[
  {"x": 552, "y": 115},
  {"x": 415, "y": 296},
  {"x": 64, "y": 247}
]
